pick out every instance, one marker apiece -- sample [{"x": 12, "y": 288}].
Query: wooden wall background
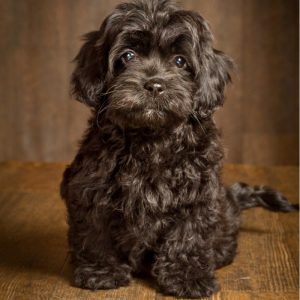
[{"x": 38, "y": 39}]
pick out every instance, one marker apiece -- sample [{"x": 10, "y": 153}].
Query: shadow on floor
[{"x": 36, "y": 251}]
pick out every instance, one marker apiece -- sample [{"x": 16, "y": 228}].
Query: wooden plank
[{"x": 33, "y": 250}]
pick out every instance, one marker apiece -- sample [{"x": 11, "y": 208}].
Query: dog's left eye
[
  {"x": 180, "y": 62},
  {"x": 128, "y": 56}
]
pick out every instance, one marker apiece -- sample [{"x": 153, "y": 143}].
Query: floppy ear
[
  {"x": 88, "y": 78},
  {"x": 214, "y": 74},
  {"x": 213, "y": 67}
]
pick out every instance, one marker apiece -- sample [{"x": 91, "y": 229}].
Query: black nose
[{"x": 155, "y": 86}]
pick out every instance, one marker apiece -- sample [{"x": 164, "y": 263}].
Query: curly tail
[{"x": 248, "y": 196}]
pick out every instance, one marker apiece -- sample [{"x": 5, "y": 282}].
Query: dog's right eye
[
  {"x": 128, "y": 56},
  {"x": 180, "y": 62}
]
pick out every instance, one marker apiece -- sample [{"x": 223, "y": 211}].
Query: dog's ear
[
  {"x": 213, "y": 68},
  {"x": 88, "y": 78},
  {"x": 214, "y": 74}
]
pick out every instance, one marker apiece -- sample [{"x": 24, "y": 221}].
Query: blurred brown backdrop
[{"x": 38, "y": 120}]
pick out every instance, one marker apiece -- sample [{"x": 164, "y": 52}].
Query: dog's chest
[{"x": 159, "y": 178}]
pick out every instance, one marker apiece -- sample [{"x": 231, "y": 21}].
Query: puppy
[{"x": 144, "y": 192}]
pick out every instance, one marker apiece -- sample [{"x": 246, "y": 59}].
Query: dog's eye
[
  {"x": 180, "y": 62},
  {"x": 128, "y": 56}
]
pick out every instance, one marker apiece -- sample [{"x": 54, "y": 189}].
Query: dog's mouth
[
  {"x": 133, "y": 106},
  {"x": 152, "y": 114},
  {"x": 149, "y": 113}
]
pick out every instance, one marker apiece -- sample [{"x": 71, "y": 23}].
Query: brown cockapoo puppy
[{"x": 144, "y": 191}]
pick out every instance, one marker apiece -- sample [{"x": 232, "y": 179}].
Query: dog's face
[{"x": 151, "y": 65}]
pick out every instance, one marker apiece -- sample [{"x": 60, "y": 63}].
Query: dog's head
[{"x": 151, "y": 65}]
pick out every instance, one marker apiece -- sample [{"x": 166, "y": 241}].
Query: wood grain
[
  {"x": 38, "y": 40},
  {"x": 34, "y": 261}
]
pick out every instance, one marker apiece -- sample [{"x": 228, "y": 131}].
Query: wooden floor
[{"x": 34, "y": 263}]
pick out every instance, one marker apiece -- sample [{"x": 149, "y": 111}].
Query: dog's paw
[
  {"x": 190, "y": 288},
  {"x": 96, "y": 278}
]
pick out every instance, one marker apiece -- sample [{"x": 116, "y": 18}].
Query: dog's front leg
[
  {"x": 184, "y": 264},
  {"x": 98, "y": 265}
]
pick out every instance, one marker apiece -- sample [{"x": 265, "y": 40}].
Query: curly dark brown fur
[{"x": 144, "y": 191}]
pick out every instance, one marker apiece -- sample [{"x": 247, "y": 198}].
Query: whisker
[
  {"x": 198, "y": 121},
  {"x": 102, "y": 108}
]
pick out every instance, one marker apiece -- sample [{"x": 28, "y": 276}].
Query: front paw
[
  {"x": 95, "y": 277},
  {"x": 189, "y": 287}
]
